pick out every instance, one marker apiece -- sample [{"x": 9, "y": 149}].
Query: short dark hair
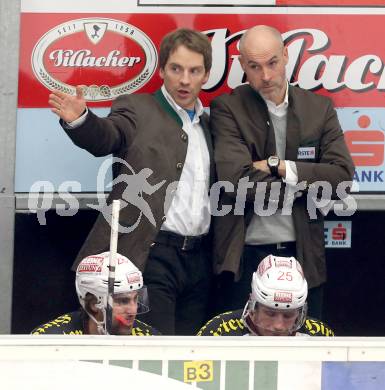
[{"x": 191, "y": 39}]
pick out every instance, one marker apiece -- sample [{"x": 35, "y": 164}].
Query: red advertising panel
[
  {"x": 335, "y": 53},
  {"x": 117, "y": 53}
]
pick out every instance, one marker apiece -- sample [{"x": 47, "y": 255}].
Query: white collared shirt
[
  {"x": 189, "y": 212},
  {"x": 281, "y": 109}
]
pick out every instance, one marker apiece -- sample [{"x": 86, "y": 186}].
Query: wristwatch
[{"x": 273, "y": 164}]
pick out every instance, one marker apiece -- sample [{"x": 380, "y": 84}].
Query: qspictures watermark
[{"x": 267, "y": 198}]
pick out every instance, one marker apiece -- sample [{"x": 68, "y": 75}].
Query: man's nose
[
  {"x": 185, "y": 78},
  {"x": 279, "y": 324},
  {"x": 130, "y": 308},
  {"x": 266, "y": 74}
]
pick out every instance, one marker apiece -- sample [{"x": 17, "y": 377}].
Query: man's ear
[
  {"x": 92, "y": 308},
  {"x": 242, "y": 62},
  {"x": 285, "y": 55},
  {"x": 90, "y": 304},
  {"x": 207, "y": 75},
  {"x": 161, "y": 73}
]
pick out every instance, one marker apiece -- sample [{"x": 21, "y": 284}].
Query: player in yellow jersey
[
  {"x": 129, "y": 299},
  {"x": 276, "y": 307}
]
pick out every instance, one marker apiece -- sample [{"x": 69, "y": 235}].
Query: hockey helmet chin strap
[{"x": 100, "y": 325}]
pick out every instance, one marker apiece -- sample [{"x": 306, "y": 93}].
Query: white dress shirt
[
  {"x": 280, "y": 110},
  {"x": 189, "y": 213}
]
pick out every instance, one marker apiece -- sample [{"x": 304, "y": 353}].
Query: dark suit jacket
[
  {"x": 243, "y": 133},
  {"x": 146, "y": 132}
]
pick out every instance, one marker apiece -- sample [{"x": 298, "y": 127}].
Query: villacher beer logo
[{"x": 109, "y": 57}]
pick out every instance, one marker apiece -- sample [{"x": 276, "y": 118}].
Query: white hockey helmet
[
  {"x": 92, "y": 277},
  {"x": 278, "y": 284}
]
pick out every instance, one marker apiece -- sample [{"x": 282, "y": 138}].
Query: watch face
[{"x": 273, "y": 161}]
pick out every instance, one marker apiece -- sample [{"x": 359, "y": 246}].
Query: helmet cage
[
  {"x": 142, "y": 305},
  {"x": 250, "y": 318}
]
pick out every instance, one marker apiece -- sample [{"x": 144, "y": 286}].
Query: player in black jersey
[
  {"x": 130, "y": 299},
  {"x": 276, "y": 307}
]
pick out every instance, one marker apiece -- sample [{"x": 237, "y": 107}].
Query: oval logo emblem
[{"x": 109, "y": 57}]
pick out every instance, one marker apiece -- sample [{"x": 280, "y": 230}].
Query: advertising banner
[
  {"x": 338, "y": 234},
  {"x": 114, "y": 53},
  {"x": 207, "y": 363},
  {"x": 205, "y": 375}
]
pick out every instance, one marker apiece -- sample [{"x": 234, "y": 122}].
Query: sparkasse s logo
[{"x": 108, "y": 56}]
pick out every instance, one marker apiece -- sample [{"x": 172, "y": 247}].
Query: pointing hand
[{"x": 67, "y": 107}]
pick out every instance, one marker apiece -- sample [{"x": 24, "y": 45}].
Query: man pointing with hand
[{"x": 166, "y": 134}]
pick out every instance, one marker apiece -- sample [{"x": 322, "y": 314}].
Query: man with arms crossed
[{"x": 268, "y": 132}]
